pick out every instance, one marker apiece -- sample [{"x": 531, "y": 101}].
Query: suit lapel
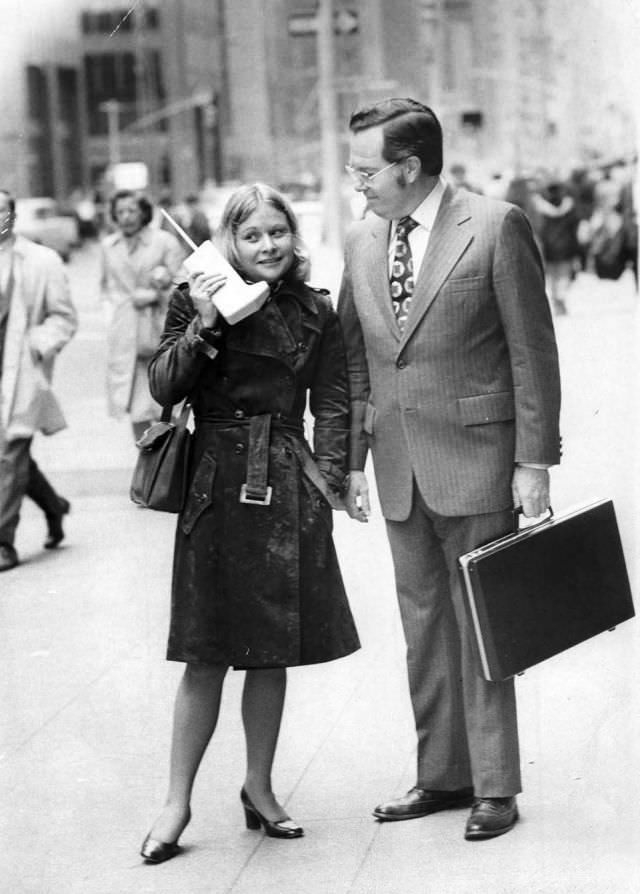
[
  {"x": 449, "y": 239},
  {"x": 377, "y": 261}
]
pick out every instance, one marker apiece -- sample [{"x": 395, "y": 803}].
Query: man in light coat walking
[
  {"x": 455, "y": 388},
  {"x": 37, "y": 319}
]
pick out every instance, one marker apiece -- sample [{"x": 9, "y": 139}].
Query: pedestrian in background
[
  {"x": 194, "y": 220},
  {"x": 256, "y": 582},
  {"x": 454, "y": 381},
  {"x": 37, "y": 319},
  {"x": 133, "y": 257},
  {"x": 558, "y": 230}
]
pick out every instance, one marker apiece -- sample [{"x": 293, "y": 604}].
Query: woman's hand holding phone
[{"x": 202, "y": 288}]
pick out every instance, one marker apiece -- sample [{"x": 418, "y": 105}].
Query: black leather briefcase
[{"x": 546, "y": 588}]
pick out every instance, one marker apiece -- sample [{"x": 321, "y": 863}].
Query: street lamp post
[
  {"x": 332, "y": 222},
  {"x": 112, "y": 109}
]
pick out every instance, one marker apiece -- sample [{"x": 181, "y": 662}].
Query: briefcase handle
[{"x": 517, "y": 512}]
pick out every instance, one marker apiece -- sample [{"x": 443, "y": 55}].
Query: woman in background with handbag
[
  {"x": 138, "y": 265},
  {"x": 256, "y": 583}
]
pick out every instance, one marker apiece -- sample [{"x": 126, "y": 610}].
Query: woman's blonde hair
[{"x": 241, "y": 205}]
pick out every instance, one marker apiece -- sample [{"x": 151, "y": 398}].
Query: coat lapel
[
  {"x": 449, "y": 239},
  {"x": 14, "y": 340},
  {"x": 377, "y": 261}
]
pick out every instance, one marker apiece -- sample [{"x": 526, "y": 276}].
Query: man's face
[
  {"x": 7, "y": 217},
  {"x": 386, "y": 194},
  {"x": 128, "y": 215}
]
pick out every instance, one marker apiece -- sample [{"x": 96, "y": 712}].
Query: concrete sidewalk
[{"x": 87, "y": 694}]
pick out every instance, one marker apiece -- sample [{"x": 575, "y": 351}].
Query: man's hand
[
  {"x": 357, "y": 497},
  {"x": 530, "y": 489},
  {"x": 144, "y": 297}
]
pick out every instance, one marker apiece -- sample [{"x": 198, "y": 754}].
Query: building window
[
  {"x": 109, "y": 76},
  {"x": 119, "y": 19},
  {"x": 135, "y": 82}
]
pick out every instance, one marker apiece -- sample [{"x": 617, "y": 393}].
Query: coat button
[
  {"x": 401, "y": 364},
  {"x": 239, "y": 414},
  {"x": 239, "y": 448}
]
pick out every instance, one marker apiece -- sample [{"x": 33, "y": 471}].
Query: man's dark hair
[
  {"x": 409, "y": 128},
  {"x": 145, "y": 206},
  {"x": 12, "y": 201}
]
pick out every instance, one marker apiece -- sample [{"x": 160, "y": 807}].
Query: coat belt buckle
[{"x": 255, "y": 501}]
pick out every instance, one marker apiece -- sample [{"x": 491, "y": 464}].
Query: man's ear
[{"x": 414, "y": 168}]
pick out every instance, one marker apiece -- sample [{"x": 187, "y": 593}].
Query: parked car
[{"x": 43, "y": 221}]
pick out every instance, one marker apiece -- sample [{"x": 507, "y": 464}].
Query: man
[
  {"x": 455, "y": 387},
  {"x": 37, "y": 319}
]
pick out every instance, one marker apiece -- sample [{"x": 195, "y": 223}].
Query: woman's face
[
  {"x": 264, "y": 244},
  {"x": 128, "y": 215}
]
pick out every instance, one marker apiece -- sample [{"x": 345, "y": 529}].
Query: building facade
[
  {"x": 222, "y": 90},
  {"x": 92, "y": 83}
]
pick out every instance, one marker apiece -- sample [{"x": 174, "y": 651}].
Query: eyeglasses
[{"x": 361, "y": 178}]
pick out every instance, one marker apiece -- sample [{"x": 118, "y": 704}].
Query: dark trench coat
[{"x": 253, "y": 585}]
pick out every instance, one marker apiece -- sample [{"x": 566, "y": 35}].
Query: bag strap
[{"x": 167, "y": 412}]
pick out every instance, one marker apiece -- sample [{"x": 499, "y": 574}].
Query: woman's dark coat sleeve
[
  {"x": 329, "y": 404},
  {"x": 177, "y": 364}
]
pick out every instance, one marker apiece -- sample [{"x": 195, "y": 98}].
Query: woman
[
  {"x": 132, "y": 285},
  {"x": 256, "y": 584}
]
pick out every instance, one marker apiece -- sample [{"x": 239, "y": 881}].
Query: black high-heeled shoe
[
  {"x": 254, "y": 820},
  {"x": 155, "y": 851}
]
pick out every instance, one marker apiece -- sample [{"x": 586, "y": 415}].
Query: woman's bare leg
[
  {"x": 262, "y": 706},
  {"x": 195, "y": 716}
]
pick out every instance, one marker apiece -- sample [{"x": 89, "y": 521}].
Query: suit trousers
[
  {"x": 14, "y": 480},
  {"x": 467, "y": 726},
  {"x": 20, "y": 476}
]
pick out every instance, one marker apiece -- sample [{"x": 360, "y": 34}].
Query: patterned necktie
[{"x": 401, "y": 280}]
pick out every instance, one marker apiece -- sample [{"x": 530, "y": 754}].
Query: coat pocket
[
  {"x": 200, "y": 494},
  {"x": 481, "y": 409}
]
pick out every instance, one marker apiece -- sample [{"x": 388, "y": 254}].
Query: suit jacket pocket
[
  {"x": 200, "y": 493},
  {"x": 480, "y": 409},
  {"x": 465, "y": 283}
]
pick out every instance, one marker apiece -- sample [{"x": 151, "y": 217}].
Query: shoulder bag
[{"x": 160, "y": 477}]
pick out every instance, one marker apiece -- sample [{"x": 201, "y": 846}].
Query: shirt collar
[
  {"x": 142, "y": 237},
  {"x": 427, "y": 210}
]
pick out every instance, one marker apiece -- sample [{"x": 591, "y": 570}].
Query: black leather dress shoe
[
  {"x": 421, "y": 802},
  {"x": 491, "y": 817},
  {"x": 8, "y": 557},
  {"x": 54, "y": 524}
]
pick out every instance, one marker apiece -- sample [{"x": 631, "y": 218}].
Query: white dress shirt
[{"x": 425, "y": 215}]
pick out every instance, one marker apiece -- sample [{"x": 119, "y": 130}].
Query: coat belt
[{"x": 256, "y": 490}]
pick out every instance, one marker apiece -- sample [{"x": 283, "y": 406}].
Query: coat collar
[
  {"x": 143, "y": 237},
  {"x": 301, "y": 291}
]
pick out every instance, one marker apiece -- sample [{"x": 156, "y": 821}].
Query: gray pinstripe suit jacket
[{"x": 472, "y": 386}]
